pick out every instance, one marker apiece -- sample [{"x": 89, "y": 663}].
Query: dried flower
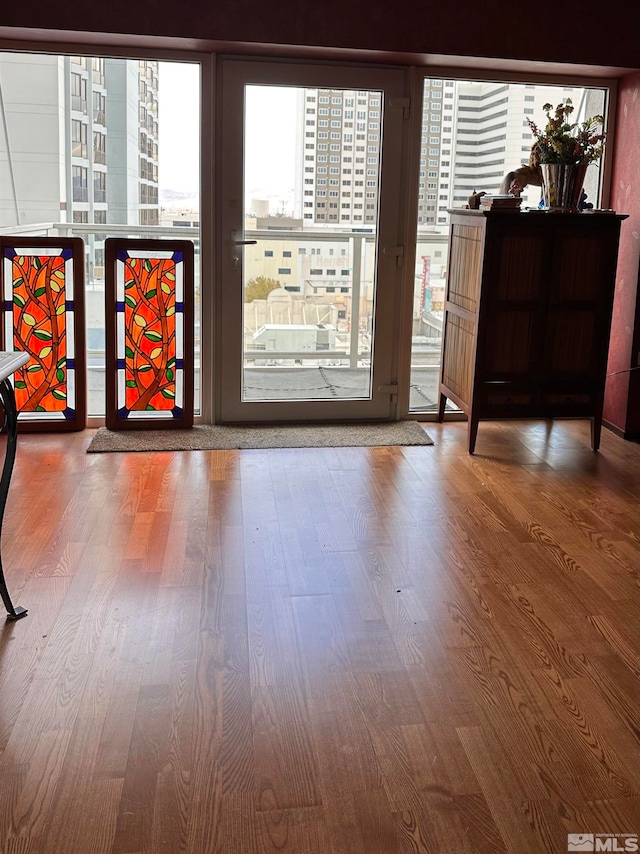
[{"x": 564, "y": 142}]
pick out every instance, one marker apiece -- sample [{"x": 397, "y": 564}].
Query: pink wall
[{"x": 622, "y": 397}]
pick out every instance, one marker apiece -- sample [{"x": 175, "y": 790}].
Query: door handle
[{"x": 235, "y": 258}]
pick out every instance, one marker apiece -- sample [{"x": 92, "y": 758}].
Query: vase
[{"x": 562, "y": 186}]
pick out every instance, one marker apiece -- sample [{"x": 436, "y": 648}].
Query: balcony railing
[{"x": 351, "y": 350}]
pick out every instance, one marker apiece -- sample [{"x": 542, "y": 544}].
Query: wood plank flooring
[{"x": 322, "y": 651}]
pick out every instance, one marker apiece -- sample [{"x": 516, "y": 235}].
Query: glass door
[{"x": 309, "y": 261}]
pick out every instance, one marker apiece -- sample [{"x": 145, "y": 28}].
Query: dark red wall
[
  {"x": 622, "y": 398},
  {"x": 576, "y": 31}
]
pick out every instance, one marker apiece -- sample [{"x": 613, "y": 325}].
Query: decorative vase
[{"x": 562, "y": 186}]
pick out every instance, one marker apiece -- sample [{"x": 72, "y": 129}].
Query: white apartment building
[
  {"x": 436, "y": 151},
  {"x": 342, "y": 138},
  {"x": 78, "y": 140},
  {"x": 472, "y": 134},
  {"x": 492, "y": 133}
]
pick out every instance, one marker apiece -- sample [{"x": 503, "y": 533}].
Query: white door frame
[{"x": 232, "y": 77}]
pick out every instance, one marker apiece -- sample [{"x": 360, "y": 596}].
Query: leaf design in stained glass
[
  {"x": 39, "y": 328},
  {"x": 150, "y": 333}
]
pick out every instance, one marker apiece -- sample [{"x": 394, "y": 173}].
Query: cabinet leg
[
  {"x": 473, "y": 433},
  {"x": 596, "y": 429},
  {"x": 441, "y": 405}
]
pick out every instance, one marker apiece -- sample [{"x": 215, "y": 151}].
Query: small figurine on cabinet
[
  {"x": 514, "y": 182},
  {"x": 474, "y": 200}
]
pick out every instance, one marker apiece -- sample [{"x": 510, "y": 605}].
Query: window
[
  {"x": 80, "y": 177},
  {"x": 78, "y": 138},
  {"x": 268, "y": 253},
  {"x": 99, "y": 108},
  {"x": 100, "y": 188},
  {"x": 100, "y": 151},
  {"x": 284, "y": 271},
  {"x": 78, "y": 93}
]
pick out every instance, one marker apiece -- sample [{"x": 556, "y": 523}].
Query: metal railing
[{"x": 353, "y": 350}]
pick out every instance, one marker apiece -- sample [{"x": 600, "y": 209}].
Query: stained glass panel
[
  {"x": 43, "y": 315},
  {"x": 149, "y": 316}
]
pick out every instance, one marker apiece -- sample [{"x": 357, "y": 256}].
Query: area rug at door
[{"x": 209, "y": 438}]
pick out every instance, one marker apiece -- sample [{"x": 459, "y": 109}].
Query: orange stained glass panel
[
  {"x": 150, "y": 334},
  {"x": 39, "y": 328},
  {"x": 42, "y": 287}
]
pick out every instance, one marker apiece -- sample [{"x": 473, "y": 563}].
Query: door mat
[{"x": 210, "y": 438}]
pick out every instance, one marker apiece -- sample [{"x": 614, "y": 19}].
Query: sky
[
  {"x": 270, "y": 141},
  {"x": 270, "y": 136},
  {"x": 179, "y": 127}
]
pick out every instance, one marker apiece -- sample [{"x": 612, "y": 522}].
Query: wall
[
  {"x": 582, "y": 31},
  {"x": 622, "y": 397}
]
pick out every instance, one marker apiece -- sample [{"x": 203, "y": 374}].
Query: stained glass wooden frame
[
  {"x": 42, "y": 287},
  {"x": 149, "y": 334}
]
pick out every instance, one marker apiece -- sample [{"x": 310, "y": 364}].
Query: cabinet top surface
[{"x": 538, "y": 215}]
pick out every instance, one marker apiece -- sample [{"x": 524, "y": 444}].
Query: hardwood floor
[{"x": 341, "y": 651}]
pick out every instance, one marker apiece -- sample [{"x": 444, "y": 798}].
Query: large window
[
  {"x": 489, "y": 135},
  {"x": 135, "y": 124}
]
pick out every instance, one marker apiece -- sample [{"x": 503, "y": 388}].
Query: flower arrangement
[{"x": 564, "y": 142}]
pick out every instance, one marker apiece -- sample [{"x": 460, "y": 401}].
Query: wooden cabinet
[{"x": 527, "y": 315}]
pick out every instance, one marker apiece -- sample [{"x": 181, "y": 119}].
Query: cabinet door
[
  {"x": 580, "y": 300},
  {"x": 515, "y": 288}
]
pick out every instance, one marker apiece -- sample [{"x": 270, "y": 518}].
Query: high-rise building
[
  {"x": 78, "y": 140},
  {"x": 436, "y": 149},
  {"x": 342, "y": 133},
  {"x": 492, "y": 133}
]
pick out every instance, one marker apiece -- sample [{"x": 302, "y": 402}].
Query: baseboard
[{"x": 630, "y": 436}]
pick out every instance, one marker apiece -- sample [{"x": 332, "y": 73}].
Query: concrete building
[
  {"x": 439, "y": 109},
  {"x": 342, "y": 133},
  {"x": 78, "y": 141},
  {"x": 492, "y": 133}
]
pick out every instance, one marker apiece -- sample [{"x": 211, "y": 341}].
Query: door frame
[{"x": 233, "y": 73}]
